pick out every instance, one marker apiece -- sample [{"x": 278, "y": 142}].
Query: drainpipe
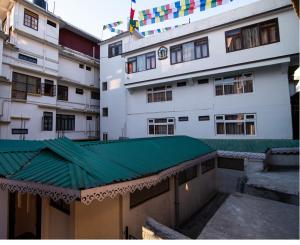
[{"x": 176, "y": 189}]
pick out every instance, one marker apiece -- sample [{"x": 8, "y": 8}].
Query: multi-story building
[
  {"x": 224, "y": 76},
  {"x": 49, "y": 75}
]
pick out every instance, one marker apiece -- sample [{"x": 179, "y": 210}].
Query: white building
[
  {"x": 225, "y": 76},
  {"x": 49, "y": 75}
]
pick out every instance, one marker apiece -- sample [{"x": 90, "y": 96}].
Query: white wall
[
  {"x": 270, "y": 101},
  {"x": 289, "y": 44}
]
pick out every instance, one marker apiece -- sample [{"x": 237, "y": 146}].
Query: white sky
[{"x": 91, "y": 15}]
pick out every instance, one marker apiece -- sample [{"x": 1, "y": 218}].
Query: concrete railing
[{"x": 156, "y": 231}]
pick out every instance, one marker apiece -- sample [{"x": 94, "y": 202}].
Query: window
[
  {"x": 141, "y": 63},
  {"x": 79, "y": 91},
  {"x": 207, "y": 166},
  {"x": 65, "y": 122},
  {"x": 89, "y": 118},
  {"x": 31, "y": 19},
  {"x": 252, "y": 36},
  {"x": 183, "y": 119},
  {"x": 181, "y": 84},
  {"x": 203, "y": 81},
  {"x": 51, "y": 23},
  {"x": 105, "y": 136},
  {"x": 49, "y": 88},
  {"x": 81, "y": 66},
  {"x": 187, "y": 175},
  {"x": 27, "y": 58},
  {"x": 140, "y": 196},
  {"x": 47, "y": 121},
  {"x": 203, "y": 118},
  {"x": 161, "y": 126},
  {"x": 114, "y": 49},
  {"x": 159, "y": 94},
  {"x": 241, "y": 84},
  {"x": 24, "y": 84},
  {"x": 189, "y": 51},
  {"x": 104, "y": 86},
  {"x": 95, "y": 95},
  {"x": 61, "y": 206},
  {"x": 62, "y": 93},
  {"x": 105, "y": 112},
  {"x": 88, "y": 68},
  {"x": 236, "y": 124}
]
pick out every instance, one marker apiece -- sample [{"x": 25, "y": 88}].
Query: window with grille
[
  {"x": 114, "y": 49},
  {"x": 79, "y": 91},
  {"x": 159, "y": 94},
  {"x": 95, "y": 95},
  {"x": 161, "y": 126},
  {"x": 263, "y": 33},
  {"x": 141, "y": 63},
  {"x": 62, "y": 93},
  {"x": 104, "y": 86},
  {"x": 189, "y": 51},
  {"x": 23, "y": 84},
  {"x": 105, "y": 112},
  {"x": 31, "y": 19},
  {"x": 236, "y": 124},
  {"x": 140, "y": 196},
  {"x": 207, "y": 166},
  {"x": 65, "y": 122},
  {"x": 187, "y": 175},
  {"x": 241, "y": 84},
  {"x": 49, "y": 89},
  {"x": 47, "y": 121}
]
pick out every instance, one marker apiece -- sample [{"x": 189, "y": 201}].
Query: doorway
[{"x": 25, "y": 211}]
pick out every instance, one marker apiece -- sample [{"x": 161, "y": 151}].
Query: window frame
[
  {"x": 65, "y": 123},
  {"x": 33, "y": 16},
  {"x": 179, "y": 48},
  {"x": 170, "y": 121},
  {"x": 240, "y": 78},
  {"x": 259, "y": 26},
  {"x": 134, "y": 60},
  {"x": 187, "y": 175},
  {"x": 26, "y": 85},
  {"x": 113, "y": 45},
  {"x": 244, "y": 121},
  {"x": 95, "y": 95},
  {"x": 27, "y": 58},
  {"x": 65, "y": 95},
  {"x": 167, "y": 90},
  {"x": 104, "y": 86},
  {"x": 105, "y": 109},
  {"x": 52, "y": 87},
  {"x": 47, "y": 121},
  {"x": 79, "y": 91}
]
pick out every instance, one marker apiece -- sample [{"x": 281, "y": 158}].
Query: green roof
[
  {"x": 74, "y": 165},
  {"x": 249, "y": 145},
  {"x": 83, "y": 165}
]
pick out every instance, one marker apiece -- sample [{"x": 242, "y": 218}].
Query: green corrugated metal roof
[
  {"x": 64, "y": 163},
  {"x": 83, "y": 165},
  {"x": 248, "y": 145}
]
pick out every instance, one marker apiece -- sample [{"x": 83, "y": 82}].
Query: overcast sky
[{"x": 91, "y": 15}]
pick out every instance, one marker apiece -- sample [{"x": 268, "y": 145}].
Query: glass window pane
[
  {"x": 250, "y": 37},
  {"x": 220, "y": 128},
  {"x": 248, "y": 86},
  {"x": 219, "y": 90},
  {"x": 188, "y": 51},
  {"x": 141, "y": 63},
  {"x": 250, "y": 128},
  {"x": 235, "y": 128},
  {"x": 204, "y": 50}
]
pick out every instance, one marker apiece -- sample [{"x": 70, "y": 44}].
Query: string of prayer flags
[
  {"x": 112, "y": 25},
  {"x": 132, "y": 23}
]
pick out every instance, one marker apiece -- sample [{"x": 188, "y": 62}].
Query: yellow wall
[
  {"x": 196, "y": 193},
  {"x": 161, "y": 208},
  {"x": 55, "y": 223},
  {"x": 99, "y": 220}
]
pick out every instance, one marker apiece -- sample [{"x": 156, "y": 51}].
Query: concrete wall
[
  {"x": 199, "y": 100},
  {"x": 161, "y": 208},
  {"x": 55, "y": 223},
  {"x": 99, "y": 220},
  {"x": 196, "y": 193}
]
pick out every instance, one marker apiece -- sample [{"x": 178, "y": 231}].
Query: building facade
[
  {"x": 49, "y": 70},
  {"x": 225, "y": 76}
]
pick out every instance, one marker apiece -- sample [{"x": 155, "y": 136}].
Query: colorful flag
[
  {"x": 132, "y": 22},
  {"x": 114, "y": 24}
]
